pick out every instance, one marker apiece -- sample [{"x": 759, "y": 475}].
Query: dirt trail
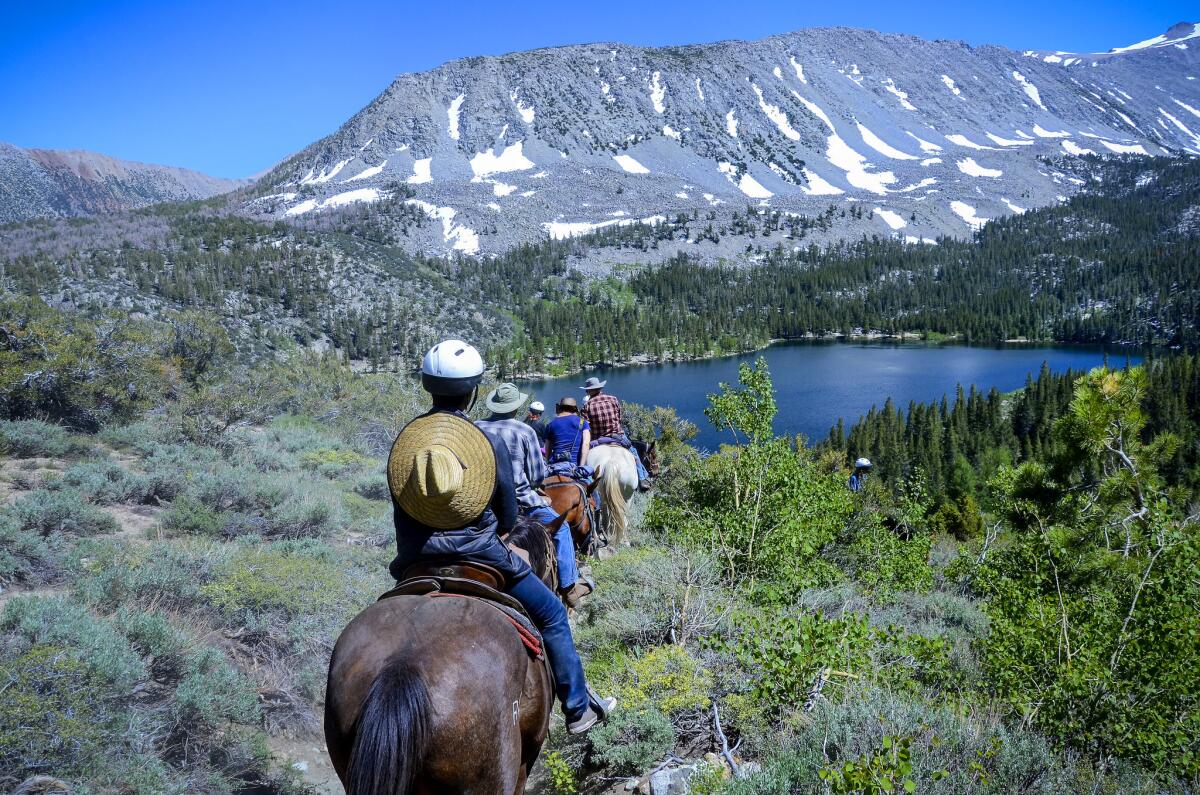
[{"x": 309, "y": 758}]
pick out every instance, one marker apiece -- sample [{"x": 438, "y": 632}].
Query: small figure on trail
[
  {"x": 603, "y": 413},
  {"x": 861, "y": 468},
  {"x": 460, "y": 494},
  {"x": 528, "y": 471},
  {"x": 568, "y": 435},
  {"x": 534, "y": 420}
]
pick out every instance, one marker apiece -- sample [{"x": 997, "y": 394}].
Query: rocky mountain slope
[
  {"x": 47, "y": 183},
  {"x": 934, "y": 137}
]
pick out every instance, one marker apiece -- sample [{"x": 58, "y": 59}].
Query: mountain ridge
[
  {"x": 944, "y": 134},
  {"x": 63, "y": 183}
]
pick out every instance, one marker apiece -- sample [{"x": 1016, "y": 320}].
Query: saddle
[{"x": 469, "y": 581}]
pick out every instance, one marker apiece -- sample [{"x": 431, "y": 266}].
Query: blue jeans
[
  {"x": 568, "y": 568},
  {"x": 550, "y": 616},
  {"x": 637, "y": 459}
]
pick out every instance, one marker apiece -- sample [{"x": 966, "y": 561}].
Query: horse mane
[{"x": 533, "y": 537}]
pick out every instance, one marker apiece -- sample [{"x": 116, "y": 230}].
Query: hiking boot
[
  {"x": 644, "y": 485},
  {"x": 576, "y": 592},
  {"x": 584, "y": 722},
  {"x": 599, "y": 711}
]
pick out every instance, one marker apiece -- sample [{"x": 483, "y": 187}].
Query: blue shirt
[{"x": 564, "y": 439}]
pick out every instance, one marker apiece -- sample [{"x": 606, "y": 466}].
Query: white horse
[{"x": 617, "y": 474}]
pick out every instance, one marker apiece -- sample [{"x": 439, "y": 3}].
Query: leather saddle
[
  {"x": 472, "y": 581},
  {"x": 454, "y": 577}
]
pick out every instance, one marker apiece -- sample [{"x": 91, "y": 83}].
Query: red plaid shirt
[{"x": 603, "y": 413}]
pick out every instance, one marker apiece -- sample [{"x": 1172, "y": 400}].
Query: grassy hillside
[{"x": 182, "y": 537}]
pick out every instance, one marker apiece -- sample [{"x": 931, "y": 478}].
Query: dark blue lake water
[{"x": 816, "y": 383}]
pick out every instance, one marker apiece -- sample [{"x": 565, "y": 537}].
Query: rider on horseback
[
  {"x": 528, "y": 472},
  {"x": 444, "y": 510},
  {"x": 603, "y": 412}
]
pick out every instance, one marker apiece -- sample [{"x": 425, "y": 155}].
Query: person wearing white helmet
[
  {"x": 451, "y": 502},
  {"x": 533, "y": 418},
  {"x": 861, "y": 467}
]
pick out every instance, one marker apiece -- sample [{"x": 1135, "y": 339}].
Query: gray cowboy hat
[
  {"x": 593, "y": 383},
  {"x": 506, "y": 398}
]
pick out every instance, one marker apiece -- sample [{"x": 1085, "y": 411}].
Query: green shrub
[
  {"x": 331, "y": 462},
  {"x": 106, "y": 482},
  {"x": 64, "y": 512},
  {"x": 188, "y": 516},
  {"x": 27, "y": 557},
  {"x": 560, "y": 773},
  {"x": 884, "y": 562},
  {"x": 667, "y": 678},
  {"x": 293, "y": 580},
  {"x": 55, "y": 715},
  {"x": 34, "y": 438},
  {"x": 167, "y": 574},
  {"x": 632, "y": 740},
  {"x": 373, "y": 486},
  {"x": 132, "y": 704},
  {"x": 64, "y": 367}
]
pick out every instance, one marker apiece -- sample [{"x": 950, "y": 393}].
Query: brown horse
[
  {"x": 570, "y": 498},
  {"x": 430, "y": 695}
]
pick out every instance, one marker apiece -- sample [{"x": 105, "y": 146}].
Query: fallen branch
[{"x": 725, "y": 751}]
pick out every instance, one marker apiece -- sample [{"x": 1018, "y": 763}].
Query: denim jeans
[
  {"x": 550, "y": 616},
  {"x": 637, "y": 459},
  {"x": 568, "y": 568}
]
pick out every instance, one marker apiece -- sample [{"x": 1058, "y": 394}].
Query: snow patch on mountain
[
  {"x": 511, "y": 158},
  {"x": 630, "y": 165},
  {"x": 1072, "y": 148},
  {"x": 461, "y": 238},
  {"x": 658, "y": 92},
  {"x": 881, "y": 146},
  {"x": 973, "y": 169},
  {"x": 890, "y": 86},
  {"x": 421, "y": 171},
  {"x": 1029, "y": 88},
  {"x": 1041, "y": 132},
  {"x": 891, "y": 218},
  {"x": 452, "y": 113},
  {"x": 526, "y": 112},
  {"x": 968, "y": 214},
  {"x": 797, "y": 68},
  {"x": 367, "y": 173},
  {"x": 775, "y": 114}
]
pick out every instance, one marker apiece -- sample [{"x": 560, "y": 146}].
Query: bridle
[{"x": 589, "y": 512}]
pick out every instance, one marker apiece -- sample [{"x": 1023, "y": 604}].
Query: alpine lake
[{"x": 818, "y": 383}]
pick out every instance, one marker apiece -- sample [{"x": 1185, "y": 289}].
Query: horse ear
[
  {"x": 592, "y": 486},
  {"x": 554, "y": 526}
]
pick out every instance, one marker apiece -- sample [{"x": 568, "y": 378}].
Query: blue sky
[{"x": 231, "y": 88}]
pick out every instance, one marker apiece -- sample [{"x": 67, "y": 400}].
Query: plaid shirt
[
  {"x": 529, "y": 468},
  {"x": 603, "y": 412}
]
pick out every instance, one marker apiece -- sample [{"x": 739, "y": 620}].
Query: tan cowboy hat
[
  {"x": 442, "y": 470},
  {"x": 567, "y": 402}
]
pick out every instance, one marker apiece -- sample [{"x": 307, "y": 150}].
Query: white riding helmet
[
  {"x": 537, "y": 406},
  {"x": 451, "y": 367},
  {"x": 863, "y": 463}
]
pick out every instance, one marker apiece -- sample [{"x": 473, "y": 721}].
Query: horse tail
[
  {"x": 392, "y": 733},
  {"x": 613, "y": 497}
]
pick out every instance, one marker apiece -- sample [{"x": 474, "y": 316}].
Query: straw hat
[{"x": 442, "y": 470}]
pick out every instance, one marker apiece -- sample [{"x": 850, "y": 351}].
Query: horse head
[
  {"x": 537, "y": 539},
  {"x": 650, "y": 458}
]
